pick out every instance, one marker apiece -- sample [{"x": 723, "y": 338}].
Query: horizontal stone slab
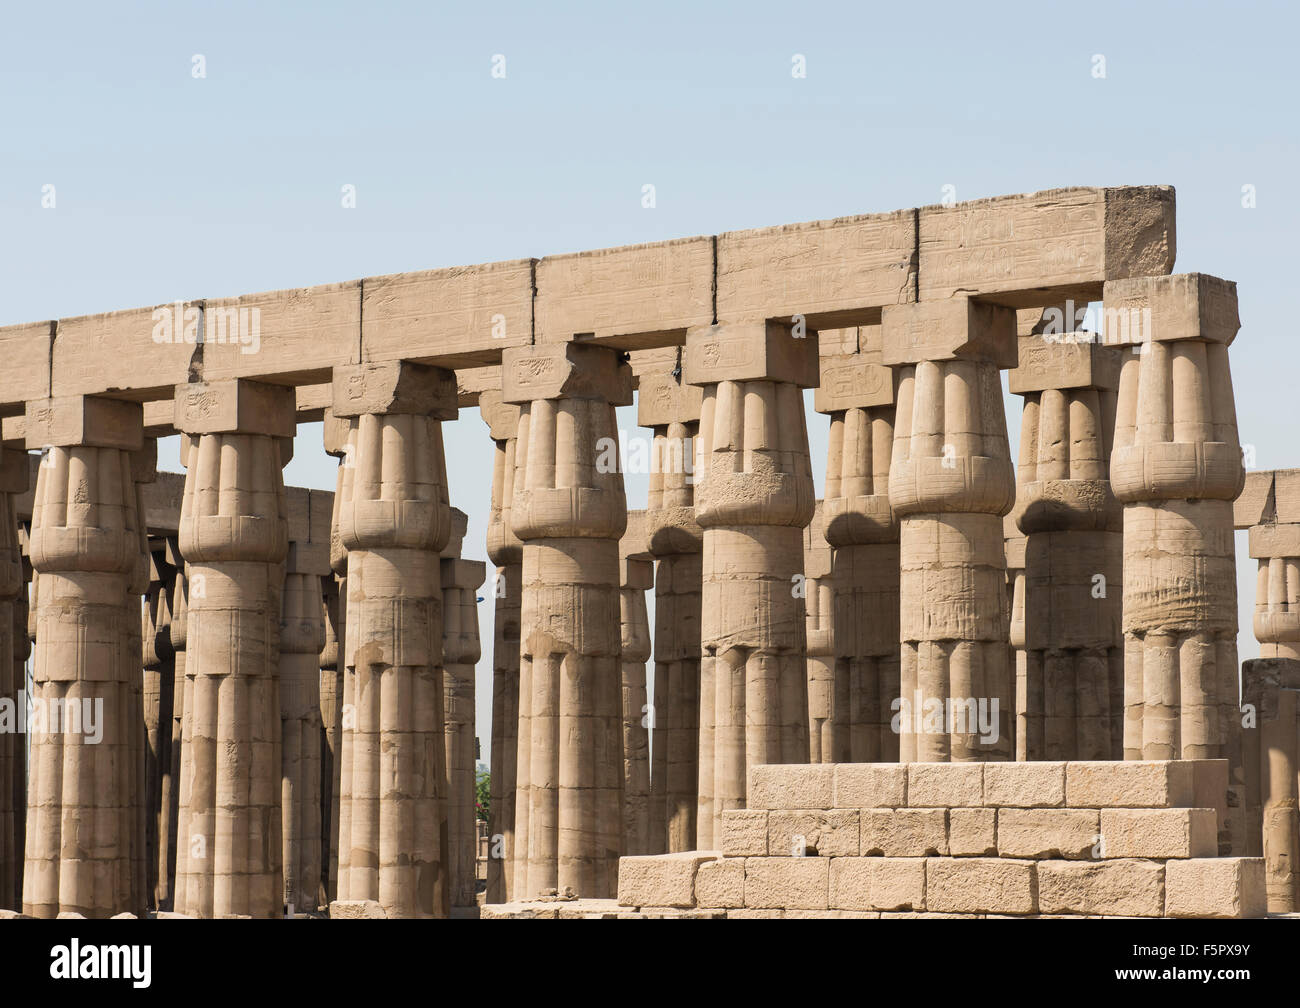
[{"x": 1159, "y": 833}]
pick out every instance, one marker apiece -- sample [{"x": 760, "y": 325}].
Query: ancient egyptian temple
[{"x": 962, "y": 683}]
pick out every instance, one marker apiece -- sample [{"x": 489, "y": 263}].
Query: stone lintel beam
[
  {"x": 236, "y": 406},
  {"x": 1036, "y": 248}
]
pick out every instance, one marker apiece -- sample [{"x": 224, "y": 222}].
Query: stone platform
[{"x": 1063, "y": 839}]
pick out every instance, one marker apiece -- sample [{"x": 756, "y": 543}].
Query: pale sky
[{"x": 170, "y": 185}]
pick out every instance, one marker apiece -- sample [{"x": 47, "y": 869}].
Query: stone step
[
  {"x": 974, "y": 886},
  {"x": 1074, "y": 784}
]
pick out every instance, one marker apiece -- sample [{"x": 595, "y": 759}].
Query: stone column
[
  {"x": 339, "y": 439},
  {"x": 461, "y": 580},
  {"x": 753, "y": 499},
  {"x": 505, "y": 551},
  {"x": 819, "y": 593},
  {"x": 84, "y": 547},
  {"x": 636, "y": 577},
  {"x": 857, "y": 392},
  {"x": 173, "y": 820},
  {"x": 144, "y": 851},
  {"x": 1074, "y": 658},
  {"x": 1029, "y": 698},
  {"x": 233, "y": 536},
  {"x": 13, "y": 685},
  {"x": 394, "y": 520},
  {"x": 1269, "y": 686},
  {"x": 672, "y": 410},
  {"x": 331, "y": 702},
  {"x": 569, "y": 510},
  {"x": 159, "y": 684},
  {"x": 1271, "y": 745},
  {"x": 1176, "y": 466},
  {"x": 950, "y": 484},
  {"x": 302, "y": 636}
]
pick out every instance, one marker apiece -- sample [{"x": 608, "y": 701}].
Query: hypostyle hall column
[
  {"x": 302, "y": 636},
  {"x": 84, "y": 545},
  {"x": 159, "y": 684},
  {"x": 1270, "y": 687},
  {"x": 233, "y": 536},
  {"x": 1074, "y": 658},
  {"x": 1029, "y": 699},
  {"x": 950, "y": 484},
  {"x": 636, "y": 577},
  {"x": 1176, "y": 466},
  {"x": 753, "y": 499},
  {"x": 144, "y": 851},
  {"x": 672, "y": 410},
  {"x": 461, "y": 580},
  {"x": 505, "y": 551},
  {"x": 339, "y": 439},
  {"x": 13, "y": 687},
  {"x": 857, "y": 392},
  {"x": 394, "y": 520},
  {"x": 569, "y": 510},
  {"x": 818, "y": 590},
  {"x": 173, "y": 820}
]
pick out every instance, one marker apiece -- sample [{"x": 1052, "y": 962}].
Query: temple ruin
[{"x": 961, "y": 684}]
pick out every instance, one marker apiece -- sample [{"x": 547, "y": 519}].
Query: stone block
[
  {"x": 1164, "y": 308},
  {"x": 744, "y": 832},
  {"x": 904, "y": 832},
  {"x": 1062, "y": 241},
  {"x": 560, "y": 370},
  {"x": 972, "y": 832},
  {"x": 1219, "y": 887},
  {"x": 1047, "y": 833},
  {"x": 1159, "y": 833},
  {"x": 748, "y": 351},
  {"x": 959, "y": 328},
  {"x": 877, "y": 884},
  {"x": 721, "y": 883},
  {"x": 1120, "y": 888},
  {"x": 791, "y": 786},
  {"x": 869, "y": 785},
  {"x": 791, "y": 883},
  {"x": 1024, "y": 785},
  {"x": 357, "y": 910},
  {"x": 666, "y": 880},
  {"x": 1129, "y": 784},
  {"x": 813, "y": 833},
  {"x": 1053, "y": 362},
  {"x": 236, "y": 406},
  {"x": 94, "y": 421},
  {"x": 853, "y": 381},
  {"x": 979, "y": 885},
  {"x": 945, "y": 785},
  {"x": 394, "y": 387}
]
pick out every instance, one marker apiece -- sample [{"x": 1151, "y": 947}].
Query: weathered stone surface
[
  {"x": 1123, "y": 888},
  {"x": 1215, "y": 887},
  {"x": 660, "y": 880},
  {"x": 813, "y": 833},
  {"x": 787, "y": 882},
  {"x": 979, "y": 885},
  {"x": 904, "y": 832},
  {"x": 877, "y": 883},
  {"x": 1047, "y": 833},
  {"x": 869, "y": 785},
  {"x": 1159, "y": 833}
]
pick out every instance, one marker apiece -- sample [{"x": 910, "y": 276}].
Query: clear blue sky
[{"x": 169, "y": 186}]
